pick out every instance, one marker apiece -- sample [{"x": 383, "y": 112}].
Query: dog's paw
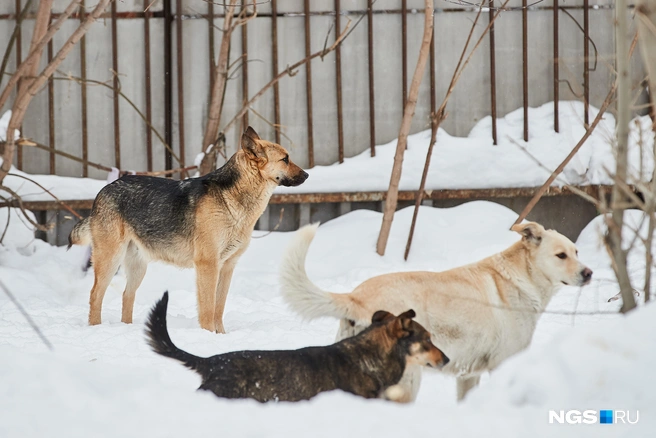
[{"x": 397, "y": 393}]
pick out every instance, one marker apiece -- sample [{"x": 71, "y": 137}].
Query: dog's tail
[
  {"x": 160, "y": 341},
  {"x": 303, "y": 296},
  {"x": 81, "y": 234}
]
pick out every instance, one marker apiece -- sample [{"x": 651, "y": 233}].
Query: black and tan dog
[
  {"x": 203, "y": 222},
  {"x": 368, "y": 364}
]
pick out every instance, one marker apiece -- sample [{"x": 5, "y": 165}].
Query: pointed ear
[
  {"x": 406, "y": 318},
  {"x": 399, "y": 328},
  {"x": 381, "y": 316},
  {"x": 530, "y": 231},
  {"x": 251, "y": 145}
]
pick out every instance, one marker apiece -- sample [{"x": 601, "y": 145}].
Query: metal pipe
[
  {"x": 83, "y": 90},
  {"x": 308, "y": 86},
  {"x": 117, "y": 125},
  {"x": 19, "y": 56},
  {"x": 493, "y": 75},
  {"x": 525, "y": 65},
  {"x": 404, "y": 52},
  {"x": 338, "y": 76},
  {"x": 244, "y": 68},
  {"x": 372, "y": 106},
  {"x": 51, "y": 113},
  {"x": 586, "y": 64},
  {"x": 274, "y": 56},
  {"x": 556, "y": 81},
  {"x": 168, "y": 89},
  {"x": 180, "y": 77},
  {"x": 149, "y": 99}
]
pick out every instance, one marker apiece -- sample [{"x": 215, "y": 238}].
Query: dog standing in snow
[
  {"x": 203, "y": 222},
  {"x": 368, "y": 364},
  {"x": 478, "y": 314}
]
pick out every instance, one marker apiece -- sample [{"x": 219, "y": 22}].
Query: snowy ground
[
  {"x": 457, "y": 162},
  {"x": 103, "y": 381}
]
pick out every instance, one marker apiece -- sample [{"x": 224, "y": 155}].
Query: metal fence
[{"x": 148, "y": 64}]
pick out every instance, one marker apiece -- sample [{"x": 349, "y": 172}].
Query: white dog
[{"x": 478, "y": 314}]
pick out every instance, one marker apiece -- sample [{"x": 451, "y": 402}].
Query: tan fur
[
  {"x": 224, "y": 221},
  {"x": 478, "y": 314}
]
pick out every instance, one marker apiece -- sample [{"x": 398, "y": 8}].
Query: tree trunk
[
  {"x": 218, "y": 90},
  {"x": 408, "y": 113},
  {"x": 618, "y": 199}
]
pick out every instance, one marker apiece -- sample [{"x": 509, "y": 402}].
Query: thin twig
[
  {"x": 282, "y": 212},
  {"x": 60, "y": 202},
  {"x": 26, "y": 315},
  {"x": 19, "y": 201},
  {"x": 12, "y": 39}
]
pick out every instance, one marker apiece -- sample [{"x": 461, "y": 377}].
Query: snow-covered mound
[
  {"x": 471, "y": 162},
  {"x": 103, "y": 381}
]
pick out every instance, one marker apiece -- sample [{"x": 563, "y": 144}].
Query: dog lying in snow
[
  {"x": 369, "y": 364},
  {"x": 479, "y": 314}
]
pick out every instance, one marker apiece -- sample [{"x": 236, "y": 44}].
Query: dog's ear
[
  {"x": 381, "y": 316},
  {"x": 250, "y": 143},
  {"x": 406, "y": 319},
  {"x": 530, "y": 231}
]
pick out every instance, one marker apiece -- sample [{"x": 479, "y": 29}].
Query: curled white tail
[{"x": 303, "y": 296}]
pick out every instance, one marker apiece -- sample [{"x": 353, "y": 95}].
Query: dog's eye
[
  {"x": 561, "y": 255},
  {"x": 286, "y": 159}
]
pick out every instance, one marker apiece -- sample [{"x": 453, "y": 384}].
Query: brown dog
[{"x": 203, "y": 222}]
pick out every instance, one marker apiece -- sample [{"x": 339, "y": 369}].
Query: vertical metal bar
[
  {"x": 117, "y": 125},
  {"x": 51, "y": 113},
  {"x": 493, "y": 75},
  {"x": 586, "y": 64},
  {"x": 556, "y": 82},
  {"x": 83, "y": 90},
  {"x": 244, "y": 68},
  {"x": 180, "y": 77},
  {"x": 212, "y": 53},
  {"x": 168, "y": 88},
  {"x": 308, "y": 85},
  {"x": 338, "y": 75},
  {"x": 19, "y": 58},
  {"x": 149, "y": 98},
  {"x": 404, "y": 51},
  {"x": 370, "y": 42},
  {"x": 274, "y": 56},
  {"x": 431, "y": 70},
  {"x": 525, "y": 65}
]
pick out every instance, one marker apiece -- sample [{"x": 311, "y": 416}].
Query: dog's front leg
[
  {"x": 207, "y": 275},
  {"x": 222, "y": 288}
]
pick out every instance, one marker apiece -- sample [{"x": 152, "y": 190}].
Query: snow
[
  {"x": 4, "y": 123},
  {"x": 104, "y": 380},
  {"x": 457, "y": 162}
]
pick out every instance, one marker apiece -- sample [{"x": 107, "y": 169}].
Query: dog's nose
[
  {"x": 445, "y": 360},
  {"x": 586, "y": 274},
  {"x": 304, "y": 175}
]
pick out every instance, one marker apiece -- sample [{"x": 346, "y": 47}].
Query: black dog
[{"x": 366, "y": 364}]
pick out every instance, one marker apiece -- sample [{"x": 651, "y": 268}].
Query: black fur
[
  {"x": 359, "y": 365},
  {"x": 159, "y": 209}
]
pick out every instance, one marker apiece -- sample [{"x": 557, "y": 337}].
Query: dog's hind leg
[
  {"x": 465, "y": 384},
  {"x": 135, "y": 269},
  {"x": 106, "y": 259}
]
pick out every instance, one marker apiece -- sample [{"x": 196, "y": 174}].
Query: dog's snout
[
  {"x": 586, "y": 274},
  {"x": 304, "y": 175},
  {"x": 445, "y": 360}
]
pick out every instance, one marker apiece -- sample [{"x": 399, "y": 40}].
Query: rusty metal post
[
  {"x": 525, "y": 65},
  {"x": 372, "y": 107},
  {"x": 117, "y": 126},
  {"x": 586, "y": 64},
  {"x": 338, "y": 75},
  {"x": 274, "y": 57},
  {"x": 19, "y": 58},
  {"x": 211, "y": 42},
  {"x": 83, "y": 90},
  {"x": 180, "y": 77},
  {"x": 556, "y": 81},
  {"x": 149, "y": 98},
  {"x": 168, "y": 89},
  {"x": 244, "y": 68},
  {"x": 51, "y": 113},
  {"x": 308, "y": 86},
  {"x": 493, "y": 75},
  {"x": 404, "y": 51}
]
